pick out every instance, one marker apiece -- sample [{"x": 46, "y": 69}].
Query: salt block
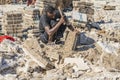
[{"x": 80, "y": 64}]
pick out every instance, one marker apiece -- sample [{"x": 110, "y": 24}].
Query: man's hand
[
  {"x": 72, "y": 28},
  {"x": 62, "y": 20},
  {"x": 76, "y": 30}
]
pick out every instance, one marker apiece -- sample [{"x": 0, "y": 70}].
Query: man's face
[{"x": 51, "y": 15}]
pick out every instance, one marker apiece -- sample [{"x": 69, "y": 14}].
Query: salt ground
[{"x": 90, "y": 62}]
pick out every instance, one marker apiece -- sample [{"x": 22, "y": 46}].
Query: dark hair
[{"x": 49, "y": 9}]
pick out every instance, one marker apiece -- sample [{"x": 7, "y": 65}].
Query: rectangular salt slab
[{"x": 81, "y": 17}]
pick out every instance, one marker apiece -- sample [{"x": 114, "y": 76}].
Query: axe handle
[
  {"x": 61, "y": 14},
  {"x": 60, "y": 11}
]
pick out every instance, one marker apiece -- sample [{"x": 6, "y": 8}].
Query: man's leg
[
  {"x": 44, "y": 37},
  {"x": 60, "y": 32}
]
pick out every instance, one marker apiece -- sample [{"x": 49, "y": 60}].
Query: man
[
  {"x": 31, "y": 2},
  {"x": 52, "y": 26}
]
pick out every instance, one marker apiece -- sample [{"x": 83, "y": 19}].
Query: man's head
[{"x": 50, "y": 11}]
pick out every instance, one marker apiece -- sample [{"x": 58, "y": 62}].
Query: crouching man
[{"x": 52, "y": 26}]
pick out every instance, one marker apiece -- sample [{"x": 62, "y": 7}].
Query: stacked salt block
[
  {"x": 1, "y": 18},
  {"x": 105, "y": 4},
  {"x": 55, "y": 3},
  {"x": 63, "y": 3},
  {"x": 12, "y": 24},
  {"x": 83, "y": 6},
  {"x": 112, "y": 32},
  {"x": 31, "y": 20},
  {"x": 82, "y": 11},
  {"x": 1, "y": 21},
  {"x": 2, "y": 2},
  {"x": 106, "y": 10},
  {"x": 107, "y": 16},
  {"x": 67, "y": 3},
  {"x": 42, "y": 3},
  {"x": 31, "y": 15},
  {"x": 118, "y": 5}
]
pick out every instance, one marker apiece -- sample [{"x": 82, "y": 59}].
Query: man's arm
[
  {"x": 55, "y": 28},
  {"x": 52, "y": 31}
]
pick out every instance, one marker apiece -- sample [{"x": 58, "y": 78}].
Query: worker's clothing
[
  {"x": 6, "y": 37},
  {"x": 45, "y": 21},
  {"x": 91, "y": 25},
  {"x": 31, "y": 2}
]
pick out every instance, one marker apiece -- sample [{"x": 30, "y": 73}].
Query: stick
[
  {"x": 60, "y": 11},
  {"x": 59, "y": 8}
]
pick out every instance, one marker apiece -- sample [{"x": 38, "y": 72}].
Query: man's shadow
[
  {"x": 6, "y": 67},
  {"x": 83, "y": 42}
]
